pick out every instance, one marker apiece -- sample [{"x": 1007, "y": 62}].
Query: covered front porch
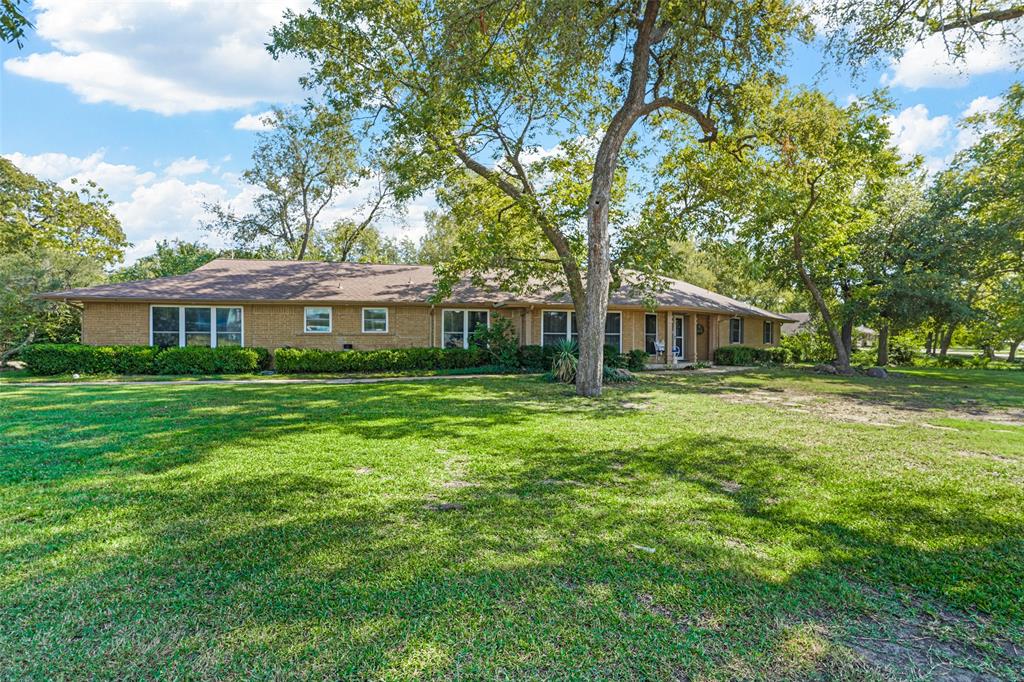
[{"x": 678, "y": 338}]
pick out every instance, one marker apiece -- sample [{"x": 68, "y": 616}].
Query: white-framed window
[
  {"x": 736, "y": 330},
  {"x": 375, "y": 320},
  {"x": 613, "y": 331},
  {"x": 767, "y": 335},
  {"x": 560, "y": 325},
  {"x": 457, "y": 326},
  {"x": 651, "y": 333},
  {"x": 555, "y": 326},
  {"x": 317, "y": 319},
  {"x": 192, "y": 325}
]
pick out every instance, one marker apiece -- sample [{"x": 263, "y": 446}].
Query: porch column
[
  {"x": 691, "y": 338},
  {"x": 668, "y": 337}
]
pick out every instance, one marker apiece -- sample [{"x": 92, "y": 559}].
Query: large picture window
[
  {"x": 560, "y": 325},
  {"x": 651, "y": 333},
  {"x": 166, "y": 325},
  {"x": 209, "y": 326},
  {"x": 229, "y": 326},
  {"x": 736, "y": 330},
  {"x": 556, "y": 325},
  {"x": 197, "y": 327},
  {"x": 375, "y": 320},
  {"x": 317, "y": 320},
  {"x": 457, "y": 326},
  {"x": 613, "y": 331}
]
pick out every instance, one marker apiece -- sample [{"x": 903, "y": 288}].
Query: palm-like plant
[{"x": 564, "y": 362}]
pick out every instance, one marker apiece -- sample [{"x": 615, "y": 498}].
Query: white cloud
[
  {"x": 927, "y": 64},
  {"x": 255, "y": 122},
  {"x": 981, "y": 105},
  {"x": 915, "y": 132},
  {"x": 190, "y": 166},
  {"x": 968, "y": 135},
  {"x": 153, "y": 207},
  {"x": 168, "y": 209},
  {"x": 115, "y": 178},
  {"x": 170, "y": 57}
]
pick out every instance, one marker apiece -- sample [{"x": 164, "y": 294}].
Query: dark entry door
[{"x": 702, "y": 338}]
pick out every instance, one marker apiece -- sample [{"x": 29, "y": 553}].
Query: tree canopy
[
  {"x": 36, "y": 214},
  {"x": 50, "y": 238},
  {"x": 527, "y": 110}
]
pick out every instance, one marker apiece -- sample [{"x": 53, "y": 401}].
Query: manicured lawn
[{"x": 769, "y": 525}]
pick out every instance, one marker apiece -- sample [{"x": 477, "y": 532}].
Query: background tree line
[{"x": 584, "y": 146}]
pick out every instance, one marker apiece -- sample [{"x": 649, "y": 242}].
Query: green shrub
[
  {"x": 748, "y": 355},
  {"x": 902, "y": 351},
  {"x": 304, "y": 360},
  {"x": 808, "y": 347},
  {"x": 535, "y": 358},
  {"x": 617, "y": 375},
  {"x": 565, "y": 362},
  {"x": 499, "y": 342},
  {"x": 613, "y": 358},
  {"x": 72, "y": 358},
  {"x": 69, "y": 358},
  {"x": 636, "y": 360},
  {"x": 203, "y": 360}
]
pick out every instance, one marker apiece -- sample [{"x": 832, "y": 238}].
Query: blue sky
[{"x": 157, "y": 102}]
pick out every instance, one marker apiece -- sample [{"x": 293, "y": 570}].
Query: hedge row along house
[{"x": 340, "y": 306}]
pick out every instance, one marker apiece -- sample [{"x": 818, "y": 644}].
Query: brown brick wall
[
  {"x": 278, "y": 325},
  {"x": 753, "y": 332},
  {"x": 108, "y": 324}
]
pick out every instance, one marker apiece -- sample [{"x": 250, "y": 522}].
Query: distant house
[
  {"x": 804, "y": 322},
  {"x": 308, "y": 304}
]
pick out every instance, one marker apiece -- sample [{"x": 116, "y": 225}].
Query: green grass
[{"x": 769, "y": 525}]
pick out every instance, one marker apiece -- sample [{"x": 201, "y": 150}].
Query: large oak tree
[{"x": 454, "y": 87}]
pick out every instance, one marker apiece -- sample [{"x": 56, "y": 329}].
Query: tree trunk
[
  {"x": 842, "y": 362},
  {"x": 1013, "y": 349},
  {"x": 590, "y": 370},
  {"x": 883, "y": 344},
  {"x": 11, "y": 352},
  {"x": 928, "y": 342},
  {"x": 847, "y": 334},
  {"x": 947, "y": 338},
  {"x": 990, "y": 351}
]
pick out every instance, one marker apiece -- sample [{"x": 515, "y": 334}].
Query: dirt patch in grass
[
  {"x": 866, "y": 411},
  {"x": 929, "y": 642}
]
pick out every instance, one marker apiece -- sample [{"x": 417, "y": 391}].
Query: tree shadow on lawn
[
  {"x": 974, "y": 395},
  {"x": 540, "y": 567},
  {"x": 89, "y": 428}
]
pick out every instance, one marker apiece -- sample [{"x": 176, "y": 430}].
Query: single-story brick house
[{"x": 307, "y": 304}]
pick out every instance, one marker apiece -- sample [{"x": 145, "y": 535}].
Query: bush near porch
[{"x": 748, "y": 355}]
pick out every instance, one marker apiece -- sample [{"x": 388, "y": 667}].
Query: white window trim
[
  {"x": 655, "y": 316},
  {"x": 465, "y": 322},
  {"x": 568, "y": 322},
  {"x": 571, "y": 323},
  {"x": 330, "y": 320},
  {"x": 181, "y": 321},
  {"x": 387, "y": 320},
  {"x": 740, "y": 342},
  {"x": 605, "y": 335}
]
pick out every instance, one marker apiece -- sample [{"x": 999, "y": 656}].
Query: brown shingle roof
[{"x": 274, "y": 281}]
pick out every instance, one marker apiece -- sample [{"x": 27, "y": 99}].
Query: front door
[
  {"x": 702, "y": 338},
  {"x": 678, "y": 337}
]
